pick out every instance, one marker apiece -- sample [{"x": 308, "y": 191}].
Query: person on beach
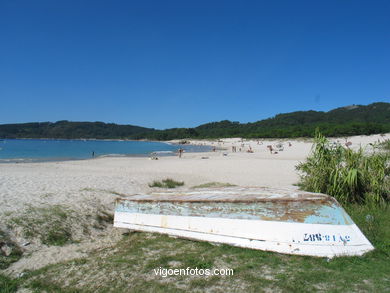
[
  {"x": 93, "y": 154},
  {"x": 180, "y": 152}
]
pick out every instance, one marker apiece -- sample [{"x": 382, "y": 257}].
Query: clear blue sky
[{"x": 183, "y": 63}]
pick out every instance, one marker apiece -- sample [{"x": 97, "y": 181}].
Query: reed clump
[
  {"x": 350, "y": 176},
  {"x": 166, "y": 183}
]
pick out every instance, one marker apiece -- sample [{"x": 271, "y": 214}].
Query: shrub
[{"x": 349, "y": 176}]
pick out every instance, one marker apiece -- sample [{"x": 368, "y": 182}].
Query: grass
[
  {"x": 103, "y": 218},
  {"x": 213, "y": 184},
  {"x": 50, "y": 225},
  {"x": 8, "y": 285},
  {"x": 58, "y": 225},
  {"x": 128, "y": 266},
  {"x": 166, "y": 183},
  {"x": 348, "y": 175},
  {"x": 16, "y": 252},
  {"x": 386, "y": 145},
  {"x": 102, "y": 190}
]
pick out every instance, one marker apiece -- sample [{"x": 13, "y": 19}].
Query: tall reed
[{"x": 348, "y": 175}]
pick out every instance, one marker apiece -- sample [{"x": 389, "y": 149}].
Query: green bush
[{"x": 348, "y": 175}]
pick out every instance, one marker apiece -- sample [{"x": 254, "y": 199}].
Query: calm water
[{"x": 27, "y": 150}]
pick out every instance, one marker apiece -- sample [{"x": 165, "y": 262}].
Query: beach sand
[{"x": 87, "y": 186}]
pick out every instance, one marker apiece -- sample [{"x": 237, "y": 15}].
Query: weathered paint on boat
[{"x": 281, "y": 220}]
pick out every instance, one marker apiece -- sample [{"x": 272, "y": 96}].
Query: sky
[{"x": 165, "y": 64}]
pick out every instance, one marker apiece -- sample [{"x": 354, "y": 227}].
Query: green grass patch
[
  {"x": 374, "y": 221},
  {"x": 58, "y": 225},
  {"x": 51, "y": 225},
  {"x": 8, "y": 285},
  {"x": 166, "y": 183},
  {"x": 213, "y": 184}
]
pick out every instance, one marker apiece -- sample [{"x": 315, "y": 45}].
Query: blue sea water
[{"x": 28, "y": 150}]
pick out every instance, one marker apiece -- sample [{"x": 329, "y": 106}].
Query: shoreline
[
  {"x": 160, "y": 151},
  {"x": 221, "y": 145}
]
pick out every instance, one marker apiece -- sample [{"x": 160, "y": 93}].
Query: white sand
[{"x": 85, "y": 185}]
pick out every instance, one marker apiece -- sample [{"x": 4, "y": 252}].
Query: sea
[{"x": 36, "y": 150}]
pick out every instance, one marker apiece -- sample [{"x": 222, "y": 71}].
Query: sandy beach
[{"x": 88, "y": 186}]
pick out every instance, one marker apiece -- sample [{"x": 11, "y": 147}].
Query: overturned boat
[{"x": 280, "y": 220}]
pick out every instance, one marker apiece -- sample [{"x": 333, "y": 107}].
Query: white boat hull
[
  {"x": 292, "y": 238},
  {"x": 273, "y": 220}
]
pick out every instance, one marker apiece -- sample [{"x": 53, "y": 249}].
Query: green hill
[
  {"x": 344, "y": 121},
  {"x": 71, "y": 130}
]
